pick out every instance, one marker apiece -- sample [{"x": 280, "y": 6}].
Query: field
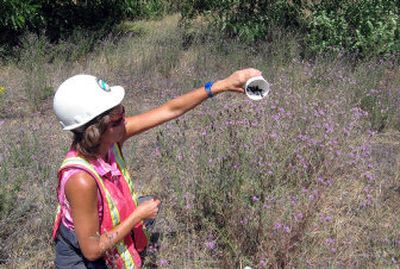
[{"x": 306, "y": 178}]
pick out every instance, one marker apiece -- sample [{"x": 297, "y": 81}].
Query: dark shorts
[{"x": 68, "y": 253}]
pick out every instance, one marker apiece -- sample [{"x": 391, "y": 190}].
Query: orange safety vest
[{"x": 125, "y": 253}]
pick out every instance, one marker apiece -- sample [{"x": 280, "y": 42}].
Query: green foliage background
[
  {"x": 361, "y": 27},
  {"x": 58, "y": 19}
]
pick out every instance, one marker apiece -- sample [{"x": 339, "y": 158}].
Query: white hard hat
[{"x": 81, "y": 98}]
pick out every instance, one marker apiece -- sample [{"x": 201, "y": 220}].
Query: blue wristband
[{"x": 208, "y": 88}]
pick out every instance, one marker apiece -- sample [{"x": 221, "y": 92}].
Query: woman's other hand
[{"x": 148, "y": 209}]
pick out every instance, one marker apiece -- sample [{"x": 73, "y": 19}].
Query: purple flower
[
  {"x": 298, "y": 216},
  {"x": 358, "y": 113},
  {"x": 328, "y": 128},
  {"x": 157, "y": 152},
  {"x": 313, "y": 195},
  {"x": 369, "y": 176},
  {"x": 302, "y": 137},
  {"x": 286, "y": 228},
  {"x": 333, "y": 142},
  {"x": 255, "y": 199},
  {"x": 276, "y": 117},
  {"x": 293, "y": 200},
  {"x": 274, "y": 135},
  {"x": 163, "y": 262},
  {"x": 346, "y": 132},
  {"x": 151, "y": 249},
  {"x": 329, "y": 241},
  {"x": 262, "y": 263},
  {"x": 371, "y": 133},
  {"x": 277, "y": 226},
  {"x": 211, "y": 245},
  {"x": 394, "y": 260}
]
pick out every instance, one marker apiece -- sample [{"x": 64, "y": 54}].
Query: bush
[
  {"x": 17, "y": 16},
  {"x": 366, "y": 28},
  {"x": 247, "y": 20},
  {"x": 149, "y": 8},
  {"x": 60, "y": 18}
]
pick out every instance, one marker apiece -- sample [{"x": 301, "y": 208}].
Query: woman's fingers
[
  {"x": 237, "y": 80},
  {"x": 151, "y": 208},
  {"x": 158, "y": 202},
  {"x": 246, "y": 74}
]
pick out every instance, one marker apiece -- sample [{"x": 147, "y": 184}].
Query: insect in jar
[{"x": 255, "y": 90}]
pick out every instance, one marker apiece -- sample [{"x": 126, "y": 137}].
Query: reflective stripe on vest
[{"x": 121, "y": 164}]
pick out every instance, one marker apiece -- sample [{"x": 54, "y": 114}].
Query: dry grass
[{"x": 298, "y": 180}]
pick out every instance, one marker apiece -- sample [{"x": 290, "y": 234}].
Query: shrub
[
  {"x": 61, "y": 17},
  {"x": 58, "y": 19},
  {"x": 149, "y": 8},
  {"x": 17, "y": 16},
  {"x": 366, "y": 28}
]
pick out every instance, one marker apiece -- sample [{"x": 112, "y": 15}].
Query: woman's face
[{"x": 115, "y": 130}]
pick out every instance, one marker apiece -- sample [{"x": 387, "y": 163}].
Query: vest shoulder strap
[{"x": 122, "y": 166}]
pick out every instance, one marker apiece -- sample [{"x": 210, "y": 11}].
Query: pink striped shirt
[{"x": 107, "y": 170}]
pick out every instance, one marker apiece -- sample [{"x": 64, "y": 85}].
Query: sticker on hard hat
[{"x": 103, "y": 85}]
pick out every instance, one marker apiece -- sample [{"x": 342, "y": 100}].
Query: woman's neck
[{"x": 103, "y": 151}]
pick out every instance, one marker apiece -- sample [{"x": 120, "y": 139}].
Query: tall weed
[{"x": 33, "y": 60}]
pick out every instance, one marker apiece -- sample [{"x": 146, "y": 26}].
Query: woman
[{"x": 99, "y": 222}]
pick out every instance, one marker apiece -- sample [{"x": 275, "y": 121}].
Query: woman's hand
[
  {"x": 148, "y": 209},
  {"x": 237, "y": 80}
]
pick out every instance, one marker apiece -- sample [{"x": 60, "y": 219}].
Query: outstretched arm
[{"x": 179, "y": 105}]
